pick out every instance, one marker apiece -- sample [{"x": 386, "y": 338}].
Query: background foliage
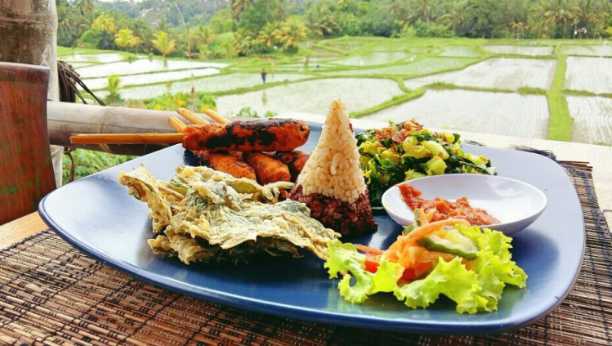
[{"x": 218, "y": 29}]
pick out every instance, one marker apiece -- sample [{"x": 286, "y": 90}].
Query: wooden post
[
  {"x": 28, "y": 33},
  {"x": 26, "y": 174},
  {"x": 28, "y": 29}
]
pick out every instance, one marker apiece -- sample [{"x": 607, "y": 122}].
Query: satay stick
[
  {"x": 191, "y": 116},
  {"x": 127, "y": 138},
  {"x": 177, "y": 124},
  {"x": 215, "y": 116}
]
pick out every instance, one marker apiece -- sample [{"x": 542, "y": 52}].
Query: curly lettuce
[
  {"x": 477, "y": 289},
  {"x": 344, "y": 259}
]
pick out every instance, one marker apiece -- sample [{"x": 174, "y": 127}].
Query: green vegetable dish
[
  {"x": 406, "y": 151},
  {"x": 418, "y": 270}
]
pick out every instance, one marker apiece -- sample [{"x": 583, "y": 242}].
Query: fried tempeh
[
  {"x": 248, "y": 136},
  {"x": 229, "y": 163},
  {"x": 267, "y": 168},
  {"x": 294, "y": 159}
]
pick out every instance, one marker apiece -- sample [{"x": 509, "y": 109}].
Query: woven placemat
[{"x": 50, "y": 293}]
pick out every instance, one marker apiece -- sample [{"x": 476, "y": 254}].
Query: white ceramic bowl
[{"x": 514, "y": 203}]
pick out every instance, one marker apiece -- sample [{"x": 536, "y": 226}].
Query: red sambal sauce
[{"x": 442, "y": 209}]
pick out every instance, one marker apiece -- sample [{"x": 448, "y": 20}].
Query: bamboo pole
[
  {"x": 66, "y": 119},
  {"x": 127, "y": 138}
]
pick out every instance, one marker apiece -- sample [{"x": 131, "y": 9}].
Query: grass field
[{"x": 387, "y": 77}]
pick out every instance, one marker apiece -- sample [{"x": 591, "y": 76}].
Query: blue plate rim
[{"x": 301, "y": 313}]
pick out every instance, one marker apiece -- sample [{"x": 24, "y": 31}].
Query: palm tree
[
  {"x": 164, "y": 45},
  {"x": 558, "y": 17},
  {"x": 125, "y": 38},
  {"x": 238, "y": 6},
  {"x": 591, "y": 16}
]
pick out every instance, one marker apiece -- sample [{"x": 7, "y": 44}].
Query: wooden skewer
[
  {"x": 127, "y": 138},
  {"x": 177, "y": 124},
  {"x": 191, "y": 116},
  {"x": 215, "y": 116}
]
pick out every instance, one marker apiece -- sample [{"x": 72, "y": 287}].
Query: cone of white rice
[{"x": 331, "y": 182}]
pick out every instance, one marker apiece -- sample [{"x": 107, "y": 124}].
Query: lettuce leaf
[
  {"x": 357, "y": 283},
  {"x": 451, "y": 279},
  {"x": 475, "y": 290},
  {"x": 493, "y": 274}
]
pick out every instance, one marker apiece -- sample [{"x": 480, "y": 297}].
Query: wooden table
[
  {"x": 20, "y": 229},
  {"x": 53, "y": 292}
]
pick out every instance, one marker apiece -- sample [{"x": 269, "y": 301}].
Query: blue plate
[{"x": 98, "y": 216}]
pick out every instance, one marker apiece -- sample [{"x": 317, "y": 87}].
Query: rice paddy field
[
  {"x": 498, "y": 73},
  {"x": 589, "y": 74},
  {"x": 507, "y": 114},
  {"x": 556, "y": 89}
]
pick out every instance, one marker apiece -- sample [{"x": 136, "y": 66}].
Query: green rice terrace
[{"x": 555, "y": 89}]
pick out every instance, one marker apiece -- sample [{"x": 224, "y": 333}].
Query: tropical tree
[
  {"x": 164, "y": 44},
  {"x": 101, "y": 34},
  {"x": 289, "y": 34},
  {"x": 104, "y": 23},
  {"x": 238, "y": 6},
  {"x": 74, "y": 18},
  {"x": 321, "y": 18},
  {"x": 555, "y": 18},
  {"x": 125, "y": 38},
  {"x": 591, "y": 16},
  {"x": 221, "y": 22},
  {"x": 258, "y": 13}
]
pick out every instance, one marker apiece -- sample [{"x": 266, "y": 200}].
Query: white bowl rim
[{"x": 539, "y": 192}]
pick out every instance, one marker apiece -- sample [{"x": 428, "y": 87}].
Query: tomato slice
[
  {"x": 416, "y": 272},
  {"x": 371, "y": 262}
]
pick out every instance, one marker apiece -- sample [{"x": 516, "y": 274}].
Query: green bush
[
  {"x": 113, "y": 85},
  {"x": 222, "y": 47},
  {"x": 171, "y": 102},
  {"x": 87, "y": 162},
  {"x": 97, "y": 39},
  {"x": 432, "y": 29}
]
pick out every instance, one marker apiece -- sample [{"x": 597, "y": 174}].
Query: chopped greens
[{"x": 407, "y": 151}]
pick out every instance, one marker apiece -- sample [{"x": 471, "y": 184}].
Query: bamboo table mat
[{"x": 51, "y": 293}]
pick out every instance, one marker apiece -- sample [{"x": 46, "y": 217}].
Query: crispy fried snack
[
  {"x": 294, "y": 159},
  {"x": 229, "y": 163},
  {"x": 267, "y": 169},
  {"x": 248, "y": 136}
]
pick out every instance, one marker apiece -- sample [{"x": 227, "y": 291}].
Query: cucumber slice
[{"x": 451, "y": 241}]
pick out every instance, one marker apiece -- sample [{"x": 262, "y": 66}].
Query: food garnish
[
  {"x": 469, "y": 265},
  {"x": 331, "y": 183},
  {"x": 442, "y": 209},
  {"x": 203, "y": 215},
  {"x": 406, "y": 151}
]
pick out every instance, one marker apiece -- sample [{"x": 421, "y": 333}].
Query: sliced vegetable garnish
[{"x": 418, "y": 276}]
